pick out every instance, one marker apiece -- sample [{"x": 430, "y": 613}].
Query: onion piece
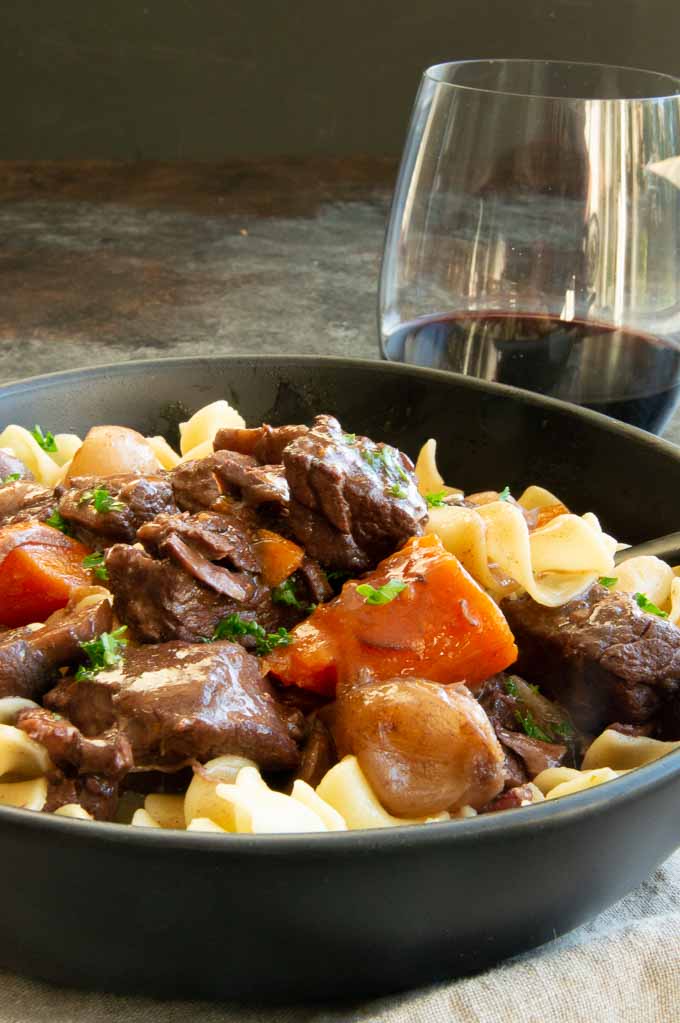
[{"x": 109, "y": 450}]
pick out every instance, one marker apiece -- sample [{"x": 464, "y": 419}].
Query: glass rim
[{"x": 435, "y": 74}]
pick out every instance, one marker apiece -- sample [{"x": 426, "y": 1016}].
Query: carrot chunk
[
  {"x": 279, "y": 557},
  {"x": 440, "y": 626},
  {"x": 39, "y": 567},
  {"x": 549, "y": 512}
]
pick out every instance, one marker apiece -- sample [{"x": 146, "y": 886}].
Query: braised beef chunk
[
  {"x": 24, "y": 500},
  {"x": 525, "y": 755},
  {"x": 177, "y": 701},
  {"x": 95, "y": 793},
  {"x": 196, "y": 546},
  {"x": 600, "y": 655},
  {"x": 194, "y": 485},
  {"x": 221, "y": 538},
  {"x": 352, "y": 501},
  {"x": 198, "y": 569},
  {"x": 498, "y": 702},
  {"x": 537, "y": 755},
  {"x": 110, "y": 754},
  {"x": 514, "y": 770},
  {"x": 326, "y": 543},
  {"x": 264, "y": 443},
  {"x": 235, "y": 585},
  {"x": 199, "y": 485},
  {"x": 79, "y": 622},
  {"x": 316, "y": 581},
  {"x": 12, "y": 468},
  {"x": 24, "y": 669},
  {"x": 103, "y": 510},
  {"x": 61, "y": 790},
  {"x": 318, "y": 752},
  {"x": 159, "y": 600},
  {"x": 30, "y": 659},
  {"x": 256, "y": 484}
]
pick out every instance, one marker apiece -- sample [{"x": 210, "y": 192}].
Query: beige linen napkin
[{"x": 624, "y": 967}]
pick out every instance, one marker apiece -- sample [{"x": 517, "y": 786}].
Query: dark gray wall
[{"x": 168, "y": 79}]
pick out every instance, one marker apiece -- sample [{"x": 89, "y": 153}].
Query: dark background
[{"x": 205, "y": 79}]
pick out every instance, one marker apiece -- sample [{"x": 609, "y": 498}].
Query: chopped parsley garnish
[
  {"x": 373, "y": 458},
  {"x": 396, "y": 490},
  {"x": 384, "y": 594},
  {"x": 385, "y": 458},
  {"x": 562, "y": 730},
  {"x": 349, "y": 438},
  {"x": 285, "y": 593},
  {"x": 234, "y": 626},
  {"x": 504, "y": 494},
  {"x": 58, "y": 522},
  {"x": 45, "y": 440},
  {"x": 101, "y": 500},
  {"x": 608, "y": 580},
  {"x": 95, "y": 563},
  {"x": 646, "y": 604},
  {"x": 436, "y": 499},
  {"x": 530, "y": 727},
  {"x": 12, "y": 478},
  {"x": 103, "y": 652}
]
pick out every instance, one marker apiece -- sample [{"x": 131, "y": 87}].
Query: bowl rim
[
  {"x": 558, "y": 812},
  {"x": 134, "y": 367}
]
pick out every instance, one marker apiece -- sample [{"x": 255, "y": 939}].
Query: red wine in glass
[
  {"x": 534, "y": 234},
  {"x": 630, "y": 375}
]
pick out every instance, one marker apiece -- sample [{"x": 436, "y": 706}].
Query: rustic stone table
[{"x": 101, "y": 262}]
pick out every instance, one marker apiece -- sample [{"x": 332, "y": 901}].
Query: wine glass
[{"x": 534, "y": 237}]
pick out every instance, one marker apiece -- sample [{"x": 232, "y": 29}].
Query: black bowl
[{"x": 292, "y": 918}]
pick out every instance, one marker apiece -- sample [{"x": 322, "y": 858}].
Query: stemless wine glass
[{"x": 534, "y": 237}]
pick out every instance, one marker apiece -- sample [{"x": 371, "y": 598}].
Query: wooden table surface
[{"x": 103, "y": 262}]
